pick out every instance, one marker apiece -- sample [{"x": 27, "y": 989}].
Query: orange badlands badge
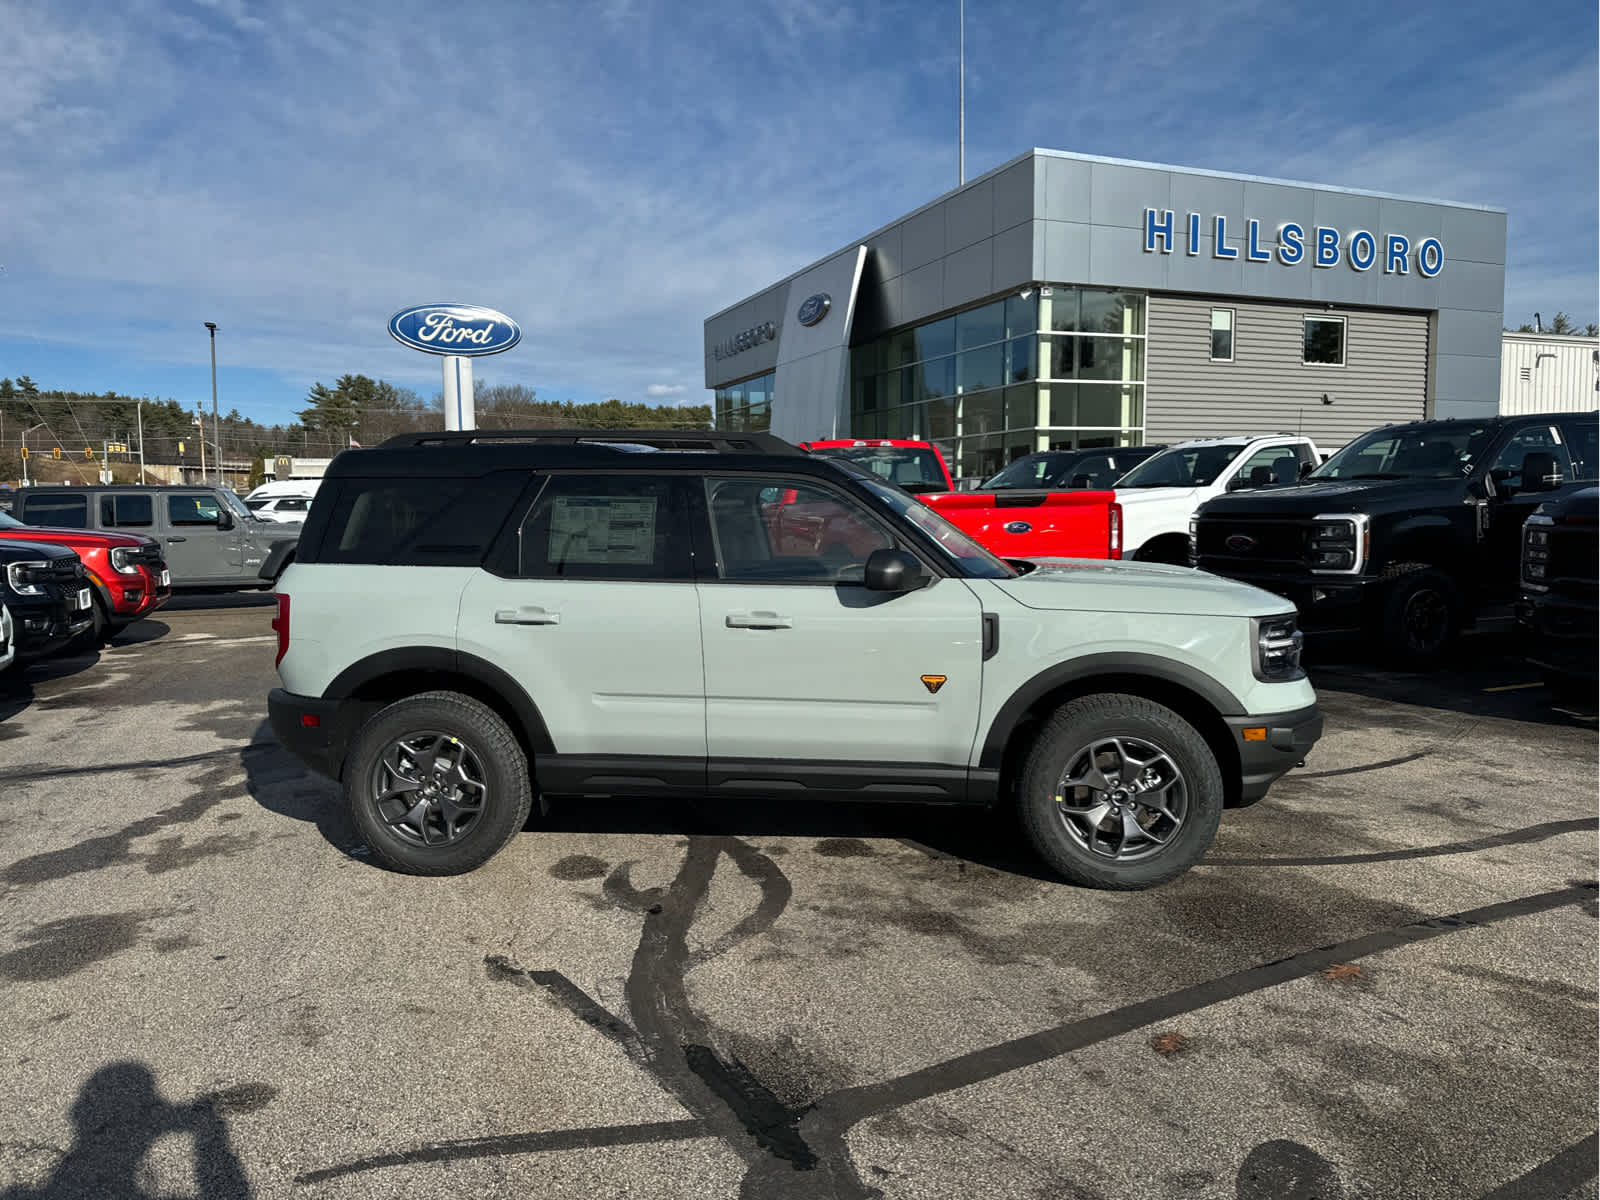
[{"x": 933, "y": 682}]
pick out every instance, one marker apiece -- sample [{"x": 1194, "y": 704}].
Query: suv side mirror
[
  {"x": 224, "y": 519},
  {"x": 893, "y": 571}
]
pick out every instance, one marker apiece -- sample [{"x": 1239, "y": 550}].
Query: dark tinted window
[
  {"x": 606, "y": 527},
  {"x": 418, "y": 522},
  {"x": 1583, "y": 433},
  {"x": 293, "y": 504},
  {"x": 69, "y": 510},
  {"x": 126, "y": 511},
  {"x": 192, "y": 508}
]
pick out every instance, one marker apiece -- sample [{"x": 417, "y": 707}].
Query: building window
[
  {"x": 745, "y": 407},
  {"x": 1222, "y": 335},
  {"x": 1324, "y": 341},
  {"x": 1008, "y": 377}
]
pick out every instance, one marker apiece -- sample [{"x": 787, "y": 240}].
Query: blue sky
[{"x": 611, "y": 172}]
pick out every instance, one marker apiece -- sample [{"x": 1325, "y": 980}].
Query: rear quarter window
[
  {"x": 447, "y": 522},
  {"x": 71, "y": 510}
]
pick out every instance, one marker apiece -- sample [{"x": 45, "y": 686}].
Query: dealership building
[{"x": 1066, "y": 300}]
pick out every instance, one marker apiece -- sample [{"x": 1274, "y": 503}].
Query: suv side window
[
  {"x": 126, "y": 512},
  {"x": 1274, "y": 464},
  {"x": 71, "y": 510},
  {"x": 789, "y": 531},
  {"x": 416, "y": 522},
  {"x": 1530, "y": 439},
  {"x": 191, "y": 508},
  {"x": 632, "y": 527},
  {"x": 293, "y": 504}
]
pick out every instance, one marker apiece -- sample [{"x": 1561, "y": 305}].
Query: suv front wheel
[
  {"x": 437, "y": 784},
  {"x": 1120, "y": 792}
]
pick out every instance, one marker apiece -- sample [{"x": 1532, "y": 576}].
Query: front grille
[
  {"x": 149, "y": 555},
  {"x": 66, "y": 570},
  {"x": 1572, "y": 565},
  {"x": 1258, "y": 545}
]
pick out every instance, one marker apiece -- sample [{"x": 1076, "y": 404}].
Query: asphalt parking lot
[{"x": 1380, "y": 983}]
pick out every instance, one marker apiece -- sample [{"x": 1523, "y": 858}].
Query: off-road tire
[
  {"x": 1421, "y": 614},
  {"x": 508, "y": 791},
  {"x": 1083, "y": 722}
]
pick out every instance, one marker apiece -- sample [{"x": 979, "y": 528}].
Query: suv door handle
[
  {"x": 177, "y": 539},
  {"x": 528, "y": 614},
  {"x": 758, "y": 620}
]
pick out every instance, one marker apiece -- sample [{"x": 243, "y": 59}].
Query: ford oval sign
[
  {"x": 466, "y": 329},
  {"x": 1018, "y": 527},
  {"x": 1241, "y": 543},
  {"x": 815, "y": 308}
]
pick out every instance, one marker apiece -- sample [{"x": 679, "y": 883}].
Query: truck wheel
[
  {"x": 1421, "y": 614},
  {"x": 437, "y": 784},
  {"x": 1120, "y": 792}
]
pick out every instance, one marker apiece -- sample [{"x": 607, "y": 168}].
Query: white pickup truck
[{"x": 1160, "y": 495}]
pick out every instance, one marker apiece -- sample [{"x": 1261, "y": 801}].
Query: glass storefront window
[
  {"x": 980, "y": 326},
  {"x": 979, "y": 457},
  {"x": 979, "y": 369},
  {"x": 1021, "y": 358},
  {"x": 936, "y": 338},
  {"x": 1110, "y": 358},
  {"x": 1111, "y": 312},
  {"x": 983, "y": 413},
  {"x": 938, "y": 378},
  {"x": 939, "y": 418},
  {"x": 1022, "y": 407},
  {"x": 1064, "y": 404},
  {"x": 1022, "y": 315},
  {"x": 1110, "y": 404},
  {"x": 1064, "y": 309}
]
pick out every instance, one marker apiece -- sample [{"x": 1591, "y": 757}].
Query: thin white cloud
[{"x": 665, "y": 389}]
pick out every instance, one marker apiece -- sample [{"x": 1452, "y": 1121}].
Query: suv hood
[
  {"x": 1312, "y": 496},
  {"x": 68, "y": 536},
  {"x": 16, "y": 550},
  {"x": 1100, "y": 585}
]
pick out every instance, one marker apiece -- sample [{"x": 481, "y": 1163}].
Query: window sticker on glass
[{"x": 602, "y": 529}]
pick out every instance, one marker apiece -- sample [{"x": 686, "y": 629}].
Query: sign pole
[{"x": 459, "y": 410}]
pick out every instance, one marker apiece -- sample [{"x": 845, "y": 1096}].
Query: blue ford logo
[
  {"x": 1241, "y": 543},
  {"x": 1018, "y": 527},
  {"x": 815, "y": 308},
  {"x": 466, "y": 329}
]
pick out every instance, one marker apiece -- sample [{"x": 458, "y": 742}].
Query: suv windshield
[
  {"x": 1433, "y": 451},
  {"x": 913, "y": 467},
  {"x": 234, "y": 503},
  {"x": 1033, "y": 471},
  {"x": 1182, "y": 466},
  {"x": 973, "y": 560}
]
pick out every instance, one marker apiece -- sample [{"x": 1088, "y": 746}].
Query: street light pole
[{"x": 216, "y": 425}]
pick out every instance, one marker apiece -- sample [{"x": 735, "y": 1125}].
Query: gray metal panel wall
[{"x": 1267, "y": 387}]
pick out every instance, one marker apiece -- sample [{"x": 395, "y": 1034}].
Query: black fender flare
[
  {"x": 1149, "y": 666},
  {"x": 438, "y": 659},
  {"x": 277, "y": 558}
]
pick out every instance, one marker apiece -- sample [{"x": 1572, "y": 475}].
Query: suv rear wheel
[
  {"x": 437, "y": 784},
  {"x": 1120, "y": 792}
]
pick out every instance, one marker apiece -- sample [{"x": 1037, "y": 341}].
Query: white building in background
[{"x": 1549, "y": 372}]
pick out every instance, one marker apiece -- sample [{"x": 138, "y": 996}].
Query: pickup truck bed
[{"x": 1042, "y": 524}]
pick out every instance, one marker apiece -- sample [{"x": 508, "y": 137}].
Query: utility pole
[
  {"x": 216, "y": 425},
  {"x": 138, "y": 409},
  {"x": 961, "y": 103},
  {"x": 200, "y": 424}
]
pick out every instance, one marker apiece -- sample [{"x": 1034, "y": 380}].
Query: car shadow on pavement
[
  {"x": 118, "y": 1117},
  {"x": 280, "y": 783},
  {"x": 18, "y": 684},
  {"x": 1484, "y": 676}
]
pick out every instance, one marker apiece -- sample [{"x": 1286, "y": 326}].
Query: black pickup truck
[
  {"x": 1558, "y": 611},
  {"x": 48, "y": 593},
  {"x": 1409, "y": 533}
]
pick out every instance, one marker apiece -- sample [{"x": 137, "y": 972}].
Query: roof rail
[{"x": 712, "y": 441}]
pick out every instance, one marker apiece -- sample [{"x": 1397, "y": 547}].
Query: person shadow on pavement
[{"x": 119, "y": 1114}]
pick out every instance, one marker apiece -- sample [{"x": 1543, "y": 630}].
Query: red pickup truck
[
  {"x": 127, "y": 572},
  {"x": 1020, "y": 523}
]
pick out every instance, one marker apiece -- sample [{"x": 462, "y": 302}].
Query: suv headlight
[
  {"x": 1340, "y": 543},
  {"x": 28, "y": 578},
  {"x": 122, "y": 559},
  {"x": 1275, "y": 648}
]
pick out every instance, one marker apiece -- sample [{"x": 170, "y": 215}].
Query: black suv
[
  {"x": 1409, "y": 533},
  {"x": 1557, "y": 610},
  {"x": 49, "y": 595}
]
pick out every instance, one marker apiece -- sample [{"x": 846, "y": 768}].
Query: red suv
[{"x": 127, "y": 572}]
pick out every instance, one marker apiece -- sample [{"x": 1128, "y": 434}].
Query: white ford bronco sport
[{"x": 475, "y": 619}]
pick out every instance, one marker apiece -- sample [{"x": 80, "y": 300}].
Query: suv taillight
[
  {"x": 281, "y": 624},
  {"x": 1114, "y": 546}
]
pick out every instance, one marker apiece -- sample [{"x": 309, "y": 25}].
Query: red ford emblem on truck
[{"x": 1241, "y": 543}]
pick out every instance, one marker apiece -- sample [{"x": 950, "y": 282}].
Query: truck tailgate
[{"x": 1029, "y": 524}]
